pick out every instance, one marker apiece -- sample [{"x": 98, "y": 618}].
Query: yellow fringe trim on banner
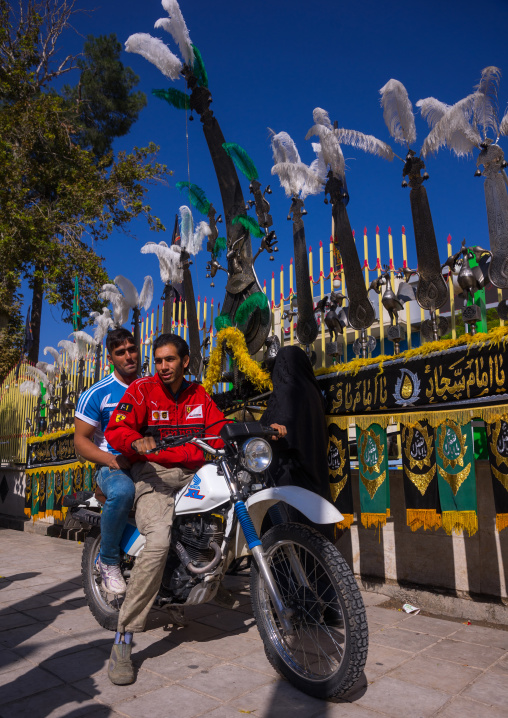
[
  {"x": 49, "y": 437},
  {"x": 459, "y": 521},
  {"x": 423, "y": 518},
  {"x": 28, "y": 512},
  {"x": 347, "y": 522},
  {"x": 501, "y": 521},
  {"x": 376, "y": 520},
  {"x": 489, "y": 414},
  {"x": 494, "y": 336}
]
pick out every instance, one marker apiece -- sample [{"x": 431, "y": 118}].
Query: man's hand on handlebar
[
  {"x": 281, "y": 431},
  {"x": 146, "y": 445}
]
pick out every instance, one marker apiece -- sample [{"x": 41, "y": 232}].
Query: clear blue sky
[{"x": 269, "y": 65}]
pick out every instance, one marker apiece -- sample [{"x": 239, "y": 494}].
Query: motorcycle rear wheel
[
  {"x": 326, "y": 654},
  {"x": 105, "y": 608}
]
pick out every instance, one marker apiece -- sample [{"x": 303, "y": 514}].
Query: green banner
[
  {"x": 456, "y": 477},
  {"x": 374, "y": 482}
]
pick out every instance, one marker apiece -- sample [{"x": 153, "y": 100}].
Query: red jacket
[{"x": 148, "y": 407}]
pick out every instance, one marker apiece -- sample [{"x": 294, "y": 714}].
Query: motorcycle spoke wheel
[{"x": 326, "y": 651}]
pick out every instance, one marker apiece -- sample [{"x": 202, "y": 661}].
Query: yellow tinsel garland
[
  {"x": 495, "y": 336},
  {"x": 49, "y": 437},
  {"x": 235, "y": 340}
]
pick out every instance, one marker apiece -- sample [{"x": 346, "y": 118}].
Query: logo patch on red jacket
[
  {"x": 120, "y": 417},
  {"x": 124, "y": 406},
  {"x": 194, "y": 411}
]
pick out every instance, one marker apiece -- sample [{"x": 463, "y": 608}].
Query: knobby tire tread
[{"x": 355, "y": 611}]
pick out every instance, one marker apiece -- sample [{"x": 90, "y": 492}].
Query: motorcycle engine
[{"x": 194, "y": 532}]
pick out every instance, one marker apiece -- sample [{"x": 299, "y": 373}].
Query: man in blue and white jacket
[{"x": 93, "y": 412}]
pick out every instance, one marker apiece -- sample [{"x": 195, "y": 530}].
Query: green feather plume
[
  {"x": 222, "y": 321},
  {"x": 254, "y": 301},
  {"x": 176, "y": 98},
  {"x": 250, "y": 225},
  {"x": 199, "y": 68},
  {"x": 197, "y": 196},
  {"x": 219, "y": 247},
  {"x": 241, "y": 159}
]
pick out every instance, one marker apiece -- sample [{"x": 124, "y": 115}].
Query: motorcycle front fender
[{"x": 314, "y": 507}]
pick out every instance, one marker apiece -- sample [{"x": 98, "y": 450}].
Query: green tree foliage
[
  {"x": 106, "y": 104},
  {"x": 61, "y": 187}
]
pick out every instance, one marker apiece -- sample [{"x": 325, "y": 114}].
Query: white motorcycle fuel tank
[{"x": 206, "y": 491}]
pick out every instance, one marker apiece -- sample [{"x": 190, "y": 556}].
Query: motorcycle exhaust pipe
[{"x": 186, "y": 560}]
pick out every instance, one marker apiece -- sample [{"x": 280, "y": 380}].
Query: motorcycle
[{"x": 305, "y": 599}]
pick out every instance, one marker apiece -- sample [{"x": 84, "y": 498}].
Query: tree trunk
[{"x": 37, "y": 296}]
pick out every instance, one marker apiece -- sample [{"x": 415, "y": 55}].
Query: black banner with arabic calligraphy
[
  {"x": 460, "y": 374},
  {"x": 51, "y": 451},
  {"x": 497, "y": 441},
  {"x": 340, "y": 471},
  {"x": 420, "y": 478}
]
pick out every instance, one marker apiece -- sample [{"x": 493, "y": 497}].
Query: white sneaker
[{"x": 112, "y": 578}]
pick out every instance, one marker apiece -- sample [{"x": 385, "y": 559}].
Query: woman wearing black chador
[{"x": 301, "y": 458}]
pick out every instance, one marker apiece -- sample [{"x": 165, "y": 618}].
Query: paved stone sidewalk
[{"x": 53, "y": 656}]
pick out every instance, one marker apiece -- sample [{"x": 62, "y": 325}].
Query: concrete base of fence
[{"x": 456, "y": 575}]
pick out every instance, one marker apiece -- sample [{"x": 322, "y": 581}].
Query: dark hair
[
  {"x": 181, "y": 345},
  {"x": 117, "y": 337}
]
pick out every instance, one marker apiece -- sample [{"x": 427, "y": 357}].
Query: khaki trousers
[{"x": 154, "y": 502}]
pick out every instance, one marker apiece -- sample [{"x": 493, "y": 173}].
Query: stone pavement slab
[{"x": 53, "y": 656}]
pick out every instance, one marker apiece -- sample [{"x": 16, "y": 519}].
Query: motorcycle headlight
[{"x": 256, "y": 455}]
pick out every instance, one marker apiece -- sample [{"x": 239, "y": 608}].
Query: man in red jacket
[{"x": 162, "y": 405}]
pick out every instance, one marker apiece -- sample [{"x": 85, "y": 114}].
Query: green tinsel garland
[
  {"x": 254, "y": 301},
  {"x": 222, "y": 321}
]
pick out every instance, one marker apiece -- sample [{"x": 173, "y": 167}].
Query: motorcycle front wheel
[
  {"x": 326, "y": 651},
  {"x": 104, "y": 607}
]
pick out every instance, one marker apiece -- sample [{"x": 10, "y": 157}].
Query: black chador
[{"x": 301, "y": 458}]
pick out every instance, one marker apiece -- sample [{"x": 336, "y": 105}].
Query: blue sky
[{"x": 269, "y": 65}]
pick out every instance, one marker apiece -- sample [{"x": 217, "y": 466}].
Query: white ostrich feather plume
[
  {"x": 57, "y": 356},
  {"x": 70, "y": 347},
  {"x": 503, "y": 127},
  {"x": 368, "y": 143},
  {"x": 450, "y": 126},
  {"x": 84, "y": 337},
  {"x": 155, "y": 51},
  {"x": 486, "y": 109},
  {"x": 49, "y": 369},
  {"x": 37, "y": 374},
  {"x": 318, "y": 166},
  {"x": 120, "y": 306},
  {"x": 432, "y": 110},
  {"x": 294, "y": 175},
  {"x": 83, "y": 342},
  {"x": 30, "y": 387},
  {"x": 103, "y": 322},
  {"x": 169, "y": 261},
  {"x": 146, "y": 296},
  {"x": 191, "y": 240},
  {"x": 398, "y": 112},
  {"x": 321, "y": 117},
  {"x": 130, "y": 293},
  {"x": 176, "y": 26},
  {"x": 283, "y": 148},
  {"x": 330, "y": 146}
]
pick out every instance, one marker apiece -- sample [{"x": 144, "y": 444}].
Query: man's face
[
  {"x": 169, "y": 366},
  {"x": 124, "y": 358}
]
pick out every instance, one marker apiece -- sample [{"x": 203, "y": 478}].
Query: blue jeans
[{"x": 118, "y": 487}]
